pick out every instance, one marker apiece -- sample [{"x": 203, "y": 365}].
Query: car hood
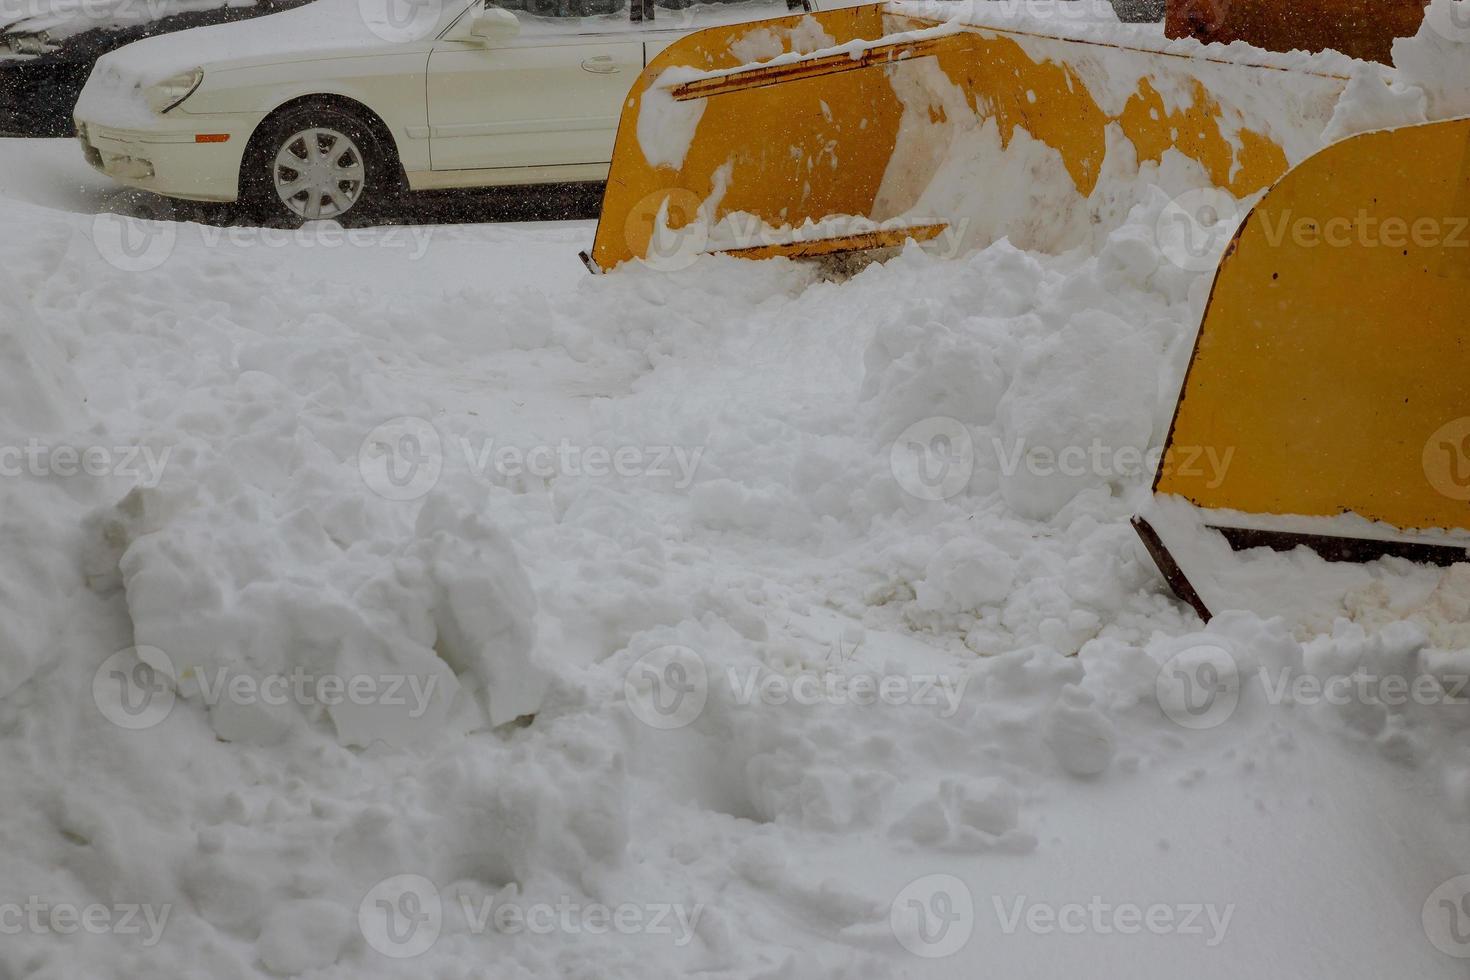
[
  {"x": 310, "y": 30},
  {"x": 60, "y": 19},
  {"x": 114, "y": 92}
]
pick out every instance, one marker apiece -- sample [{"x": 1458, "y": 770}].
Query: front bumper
[{"x": 194, "y": 157}]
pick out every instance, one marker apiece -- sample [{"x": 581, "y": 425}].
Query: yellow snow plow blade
[
  {"x": 1332, "y": 361},
  {"x": 1327, "y": 388},
  {"x": 738, "y": 138}
]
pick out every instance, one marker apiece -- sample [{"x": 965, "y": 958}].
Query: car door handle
[{"x": 601, "y": 65}]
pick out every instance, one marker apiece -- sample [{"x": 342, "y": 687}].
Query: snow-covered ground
[{"x": 408, "y": 602}]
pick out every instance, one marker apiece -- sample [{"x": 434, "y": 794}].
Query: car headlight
[{"x": 168, "y": 93}]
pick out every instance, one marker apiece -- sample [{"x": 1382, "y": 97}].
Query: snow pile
[
  {"x": 43, "y": 399},
  {"x": 445, "y": 618},
  {"x": 1094, "y": 381},
  {"x": 767, "y": 616},
  {"x": 256, "y": 551},
  {"x": 1435, "y": 59},
  {"x": 43, "y": 395},
  {"x": 1376, "y": 98}
]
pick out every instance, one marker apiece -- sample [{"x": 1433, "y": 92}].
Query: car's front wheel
[{"x": 316, "y": 162}]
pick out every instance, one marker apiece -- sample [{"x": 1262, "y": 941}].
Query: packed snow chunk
[
  {"x": 1079, "y": 734},
  {"x": 302, "y": 935},
  {"x": 38, "y": 391},
  {"x": 1376, "y": 99},
  {"x": 917, "y": 367},
  {"x": 483, "y": 608},
  {"x": 39, "y": 397},
  {"x": 225, "y": 891},
  {"x": 967, "y": 815},
  {"x": 39, "y": 578},
  {"x": 666, "y": 126},
  {"x": 427, "y": 688},
  {"x": 1373, "y": 683},
  {"x": 270, "y": 622},
  {"x": 555, "y": 804},
  {"x": 1437, "y": 59},
  {"x": 730, "y": 505},
  {"x": 965, "y": 575},
  {"x": 989, "y": 805},
  {"x": 1444, "y": 614},
  {"x": 1078, "y": 414},
  {"x": 762, "y": 44}
]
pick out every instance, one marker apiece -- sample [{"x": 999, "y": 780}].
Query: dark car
[{"x": 45, "y": 59}]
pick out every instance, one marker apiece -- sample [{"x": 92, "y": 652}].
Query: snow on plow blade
[
  {"x": 1328, "y": 381},
  {"x": 776, "y": 136}
]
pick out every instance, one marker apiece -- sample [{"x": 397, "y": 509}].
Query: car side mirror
[{"x": 494, "y": 25}]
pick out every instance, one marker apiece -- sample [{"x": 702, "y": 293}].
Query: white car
[{"x": 329, "y": 109}]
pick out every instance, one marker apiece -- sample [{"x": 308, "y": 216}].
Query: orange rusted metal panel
[
  {"x": 763, "y": 75},
  {"x": 1360, "y": 28}
]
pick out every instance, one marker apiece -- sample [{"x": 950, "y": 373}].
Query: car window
[
  {"x": 614, "y": 16},
  {"x": 565, "y": 9},
  {"x": 539, "y": 17}
]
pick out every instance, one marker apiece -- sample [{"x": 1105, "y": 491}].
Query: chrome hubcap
[{"x": 318, "y": 173}]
